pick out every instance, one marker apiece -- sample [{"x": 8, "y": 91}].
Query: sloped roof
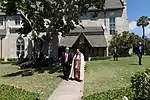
[
  {"x": 110, "y": 4},
  {"x": 94, "y": 40},
  {"x": 113, "y": 4},
  {"x": 87, "y": 29},
  {"x": 68, "y": 41}
]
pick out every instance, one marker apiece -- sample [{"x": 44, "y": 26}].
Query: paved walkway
[{"x": 68, "y": 90}]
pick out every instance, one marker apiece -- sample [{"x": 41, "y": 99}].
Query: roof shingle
[
  {"x": 87, "y": 29},
  {"x": 113, "y": 4},
  {"x": 110, "y": 4},
  {"x": 94, "y": 40}
]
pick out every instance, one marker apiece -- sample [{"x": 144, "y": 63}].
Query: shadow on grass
[
  {"x": 31, "y": 71},
  {"x": 133, "y": 64},
  {"x": 54, "y": 69},
  {"x": 50, "y": 70},
  {"x": 114, "y": 60},
  {"x": 61, "y": 76},
  {"x": 22, "y": 73},
  {"x": 14, "y": 64}
]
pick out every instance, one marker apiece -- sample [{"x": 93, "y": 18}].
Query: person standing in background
[
  {"x": 115, "y": 54},
  {"x": 140, "y": 52}
]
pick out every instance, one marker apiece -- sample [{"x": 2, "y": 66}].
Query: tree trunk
[
  {"x": 143, "y": 37},
  {"x": 143, "y": 32},
  {"x": 33, "y": 32}
]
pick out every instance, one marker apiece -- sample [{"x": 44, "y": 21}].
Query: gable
[{"x": 93, "y": 40}]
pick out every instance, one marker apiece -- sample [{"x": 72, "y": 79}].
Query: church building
[
  {"x": 95, "y": 38},
  {"x": 99, "y": 27}
]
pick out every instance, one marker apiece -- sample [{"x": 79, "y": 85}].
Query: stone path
[{"x": 68, "y": 90}]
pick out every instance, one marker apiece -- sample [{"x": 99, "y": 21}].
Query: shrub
[
  {"x": 116, "y": 94},
  {"x": 1, "y": 59},
  {"x": 147, "y": 48},
  {"x": 141, "y": 85},
  {"x": 12, "y": 59},
  {"x": 100, "y": 58},
  {"x": 12, "y": 93},
  {"x": 124, "y": 42},
  {"x": 9, "y": 62}
]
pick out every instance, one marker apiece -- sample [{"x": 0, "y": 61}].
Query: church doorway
[{"x": 82, "y": 50}]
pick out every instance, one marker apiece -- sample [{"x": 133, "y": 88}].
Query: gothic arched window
[
  {"x": 112, "y": 23},
  {"x": 20, "y": 44}
]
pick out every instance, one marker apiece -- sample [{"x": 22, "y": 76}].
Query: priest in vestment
[{"x": 77, "y": 69}]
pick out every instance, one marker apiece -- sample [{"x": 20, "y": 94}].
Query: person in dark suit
[
  {"x": 66, "y": 63},
  {"x": 115, "y": 54},
  {"x": 38, "y": 59},
  {"x": 140, "y": 52},
  {"x": 21, "y": 58}
]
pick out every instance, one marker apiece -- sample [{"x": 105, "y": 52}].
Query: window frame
[
  {"x": 1, "y": 20},
  {"x": 112, "y": 23}
]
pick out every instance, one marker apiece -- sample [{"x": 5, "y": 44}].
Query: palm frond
[{"x": 143, "y": 21}]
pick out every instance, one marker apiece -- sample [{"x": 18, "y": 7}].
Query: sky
[{"x": 136, "y": 9}]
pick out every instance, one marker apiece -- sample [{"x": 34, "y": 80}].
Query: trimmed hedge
[
  {"x": 1, "y": 59},
  {"x": 100, "y": 58},
  {"x": 12, "y": 59},
  {"x": 9, "y": 59},
  {"x": 12, "y": 93},
  {"x": 116, "y": 94},
  {"x": 9, "y": 62}
]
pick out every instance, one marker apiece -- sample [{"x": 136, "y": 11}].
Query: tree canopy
[
  {"x": 124, "y": 42},
  {"x": 143, "y": 21},
  {"x": 61, "y": 15}
]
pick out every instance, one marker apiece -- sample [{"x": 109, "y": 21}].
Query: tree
[
  {"x": 147, "y": 46},
  {"x": 62, "y": 15},
  {"x": 143, "y": 22},
  {"x": 124, "y": 42}
]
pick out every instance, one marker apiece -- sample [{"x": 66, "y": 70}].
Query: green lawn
[
  {"x": 106, "y": 74},
  {"x": 43, "y": 83}
]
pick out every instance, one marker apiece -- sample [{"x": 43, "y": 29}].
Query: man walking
[
  {"x": 140, "y": 51},
  {"x": 66, "y": 63}
]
